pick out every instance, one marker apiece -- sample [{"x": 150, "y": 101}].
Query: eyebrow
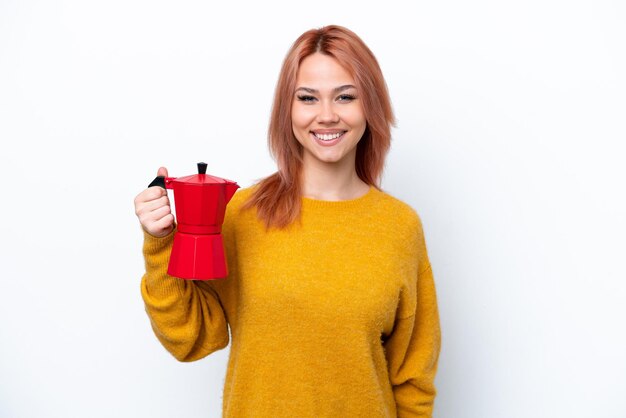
[{"x": 335, "y": 90}]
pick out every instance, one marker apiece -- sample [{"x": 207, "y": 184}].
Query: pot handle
[
  {"x": 158, "y": 181},
  {"x": 161, "y": 181}
]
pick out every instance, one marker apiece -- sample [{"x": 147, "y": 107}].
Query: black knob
[{"x": 202, "y": 168}]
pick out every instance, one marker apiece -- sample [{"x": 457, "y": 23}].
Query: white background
[{"x": 509, "y": 144}]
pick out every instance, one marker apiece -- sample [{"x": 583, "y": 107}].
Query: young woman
[{"x": 330, "y": 299}]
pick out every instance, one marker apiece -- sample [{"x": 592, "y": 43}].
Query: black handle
[
  {"x": 202, "y": 168},
  {"x": 158, "y": 181}
]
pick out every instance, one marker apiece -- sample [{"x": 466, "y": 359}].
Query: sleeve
[
  {"x": 412, "y": 352},
  {"x": 188, "y": 320}
]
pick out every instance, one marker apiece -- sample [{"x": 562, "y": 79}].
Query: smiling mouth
[{"x": 328, "y": 137}]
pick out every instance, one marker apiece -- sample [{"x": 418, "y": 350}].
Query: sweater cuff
[
  {"x": 152, "y": 244},
  {"x": 156, "y": 281}
]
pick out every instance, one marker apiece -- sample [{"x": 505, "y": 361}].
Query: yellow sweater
[{"x": 335, "y": 316}]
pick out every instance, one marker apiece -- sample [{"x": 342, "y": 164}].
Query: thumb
[{"x": 162, "y": 172}]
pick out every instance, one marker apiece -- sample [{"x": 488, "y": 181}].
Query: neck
[{"x": 331, "y": 181}]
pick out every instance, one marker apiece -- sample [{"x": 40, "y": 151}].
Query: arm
[
  {"x": 187, "y": 319},
  {"x": 412, "y": 352}
]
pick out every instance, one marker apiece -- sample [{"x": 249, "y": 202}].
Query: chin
[{"x": 330, "y": 159}]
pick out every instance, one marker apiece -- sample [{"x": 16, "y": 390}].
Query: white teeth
[{"x": 329, "y": 137}]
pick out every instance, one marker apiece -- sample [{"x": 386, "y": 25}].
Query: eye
[
  {"x": 346, "y": 98},
  {"x": 306, "y": 99}
]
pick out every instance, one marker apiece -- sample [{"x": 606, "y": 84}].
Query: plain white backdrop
[{"x": 509, "y": 144}]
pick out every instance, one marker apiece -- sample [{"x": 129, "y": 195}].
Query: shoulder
[
  {"x": 241, "y": 196},
  {"x": 235, "y": 213},
  {"x": 399, "y": 212},
  {"x": 404, "y": 222}
]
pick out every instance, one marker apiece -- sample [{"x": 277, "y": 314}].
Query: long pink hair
[{"x": 278, "y": 196}]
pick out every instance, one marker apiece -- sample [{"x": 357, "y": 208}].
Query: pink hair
[{"x": 278, "y": 196}]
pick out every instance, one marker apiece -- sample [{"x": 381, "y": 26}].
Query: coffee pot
[{"x": 200, "y": 200}]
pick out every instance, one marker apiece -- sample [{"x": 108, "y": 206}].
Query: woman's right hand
[{"x": 152, "y": 207}]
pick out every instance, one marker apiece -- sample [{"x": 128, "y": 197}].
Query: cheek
[
  {"x": 301, "y": 117},
  {"x": 356, "y": 120},
  {"x": 299, "y": 126},
  {"x": 297, "y": 123}
]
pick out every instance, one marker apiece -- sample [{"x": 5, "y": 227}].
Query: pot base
[{"x": 198, "y": 257}]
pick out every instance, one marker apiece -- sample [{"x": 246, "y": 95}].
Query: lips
[{"x": 327, "y": 138}]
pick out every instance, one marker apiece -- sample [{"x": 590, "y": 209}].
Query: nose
[{"x": 327, "y": 114}]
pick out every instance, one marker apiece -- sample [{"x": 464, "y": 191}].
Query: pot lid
[{"x": 202, "y": 177}]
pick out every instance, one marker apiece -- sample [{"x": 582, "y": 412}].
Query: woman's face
[{"x": 327, "y": 115}]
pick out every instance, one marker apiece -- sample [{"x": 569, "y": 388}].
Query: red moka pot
[{"x": 198, "y": 249}]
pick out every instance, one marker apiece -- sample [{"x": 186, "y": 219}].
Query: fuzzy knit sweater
[{"x": 334, "y": 316}]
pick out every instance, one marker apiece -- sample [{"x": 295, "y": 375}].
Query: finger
[
  {"x": 161, "y": 211},
  {"x": 155, "y": 220},
  {"x": 150, "y": 194},
  {"x": 162, "y": 171},
  {"x": 149, "y": 206},
  {"x": 164, "y": 223},
  {"x": 148, "y": 215}
]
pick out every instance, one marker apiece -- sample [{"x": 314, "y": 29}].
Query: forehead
[{"x": 319, "y": 71}]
